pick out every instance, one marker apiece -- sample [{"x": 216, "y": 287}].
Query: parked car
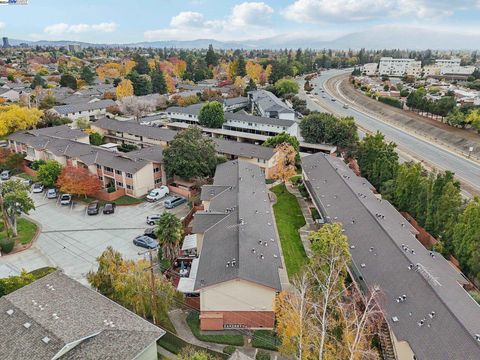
[
  {"x": 174, "y": 202},
  {"x": 157, "y": 194},
  {"x": 109, "y": 208},
  {"x": 66, "y": 199},
  {"x": 37, "y": 188},
  {"x": 145, "y": 242},
  {"x": 3, "y": 143},
  {"x": 150, "y": 232},
  {"x": 93, "y": 208},
  {"x": 5, "y": 175},
  {"x": 52, "y": 193},
  {"x": 152, "y": 219}
]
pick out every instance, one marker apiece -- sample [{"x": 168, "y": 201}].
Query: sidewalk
[{"x": 310, "y": 224}]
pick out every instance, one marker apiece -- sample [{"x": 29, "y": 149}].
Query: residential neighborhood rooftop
[
  {"x": 86, "y": 106},
  {"x": 56, "y": 315}
]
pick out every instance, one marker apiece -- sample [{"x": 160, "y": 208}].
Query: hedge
[
  {"x": 262, "y": 355},
  {"x": 265, "y": 339},
  {"x": 7, "y": 244},
  {"x": 391, "y": 101}
]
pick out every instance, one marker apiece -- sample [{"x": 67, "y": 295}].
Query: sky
[{"x": 123, "y": 21}]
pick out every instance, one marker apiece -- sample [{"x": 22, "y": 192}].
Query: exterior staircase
[{"x": 388, "y": 350}]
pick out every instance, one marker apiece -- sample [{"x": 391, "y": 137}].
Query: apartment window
[
  {"x": 100, "y": 178},
  {"x": 129, "y": 187},
  {"x": 99, "y": 166},
  {"x": 118, "y": 172},
  {"x": 128, "y": 175},
  {"x": 108, "y": 169},
  {"x": 158, "y": 181},
  {"x": 119, "y": 184},
  {"x": 156, "y": 170}
]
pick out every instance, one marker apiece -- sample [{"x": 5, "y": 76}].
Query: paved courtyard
[{"x": 72, "y": 240}]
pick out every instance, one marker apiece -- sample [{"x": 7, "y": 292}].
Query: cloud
[
  {"x": 2, "y": 25},
  {"x": 247, "y": 20},
  {"x": 338, "y": 11},
  {"x": 63, "y": 28}
]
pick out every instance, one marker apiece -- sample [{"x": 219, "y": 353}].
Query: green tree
[
  {"x": 282, "y": 138},
  {"x": 159, "y": 86},
  {"x": 456, "y": 118},
  {"x": 251, "y": 86},
  {"x": 377, "y": 159},
  {"x": 190, "y": 155},
  {"x": 48, "y": 173},
  {"x": 286, "y": 86},
  {"x": 38, "y": 80},
  {"x": 241, "y": 71},
  {"x": 141, "y": 66},
  {"x": 141, "y": 83},
  {"x": 211, "y": 115},
  {"x": 16, "y": 201},
  {"x": 12, "y": 283},
  {"x": 87, "y": 75},
  {"x": 466, "y": 238},
  {"x": 68, "y": 80},
  {"x": 96, "y": 139},
  {"x": 211, "y": 58},
  {"x": 473, "y": 118},
  {"x": 169, "y": 232},
  {"x": 12, "y": 161}
]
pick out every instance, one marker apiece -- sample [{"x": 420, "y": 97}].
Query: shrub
[
  {"x": 266, "y": 339},
  {"x": 35, "y": 164},
  {"x": 391, "y": 101},
  {"x": 295, "y": 180},
  {"x": 262, "y": 355},
  {"x": 230, "y": 349},
  {"x": 6, "y": 245}
]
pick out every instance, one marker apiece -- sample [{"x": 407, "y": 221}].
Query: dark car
[
  {"x": 109, "y": 208},
  {"x": 150, "y": 232},
  {"x": 93, "y": 208},
  {"x": 174, "y": 202},
  {"x": 145, "y": 242}
]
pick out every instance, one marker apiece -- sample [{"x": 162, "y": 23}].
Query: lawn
[
  {"x": 228, "y": 339},
  {"x": 289, "y": 219},
  {"x": 122, "y": 200},
  {"x": 26, "y": 230},
  {"x": 265, "y": 339}
]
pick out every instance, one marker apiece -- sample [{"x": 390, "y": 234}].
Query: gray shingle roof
[
  {"x": 65, "y": 311},
  {"x": 268, "y": 101},
  {"x": 242, "y": 218},
  {"x": 242, "y": 149},
  {"x": 87, "y": 106},
  {"x": 379, "y": 243},
  {"x": 133, "y": 128}
]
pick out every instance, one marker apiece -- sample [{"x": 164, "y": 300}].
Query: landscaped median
[
  {"x": 26, "y": 232},
  {"x": 289, "y": 219}
]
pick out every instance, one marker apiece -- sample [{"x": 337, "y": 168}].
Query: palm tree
[{"x": 169, "y": 233}]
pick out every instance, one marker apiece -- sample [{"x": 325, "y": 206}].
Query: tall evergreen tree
[
  {"x": 159, "y": 86},
  {"x": 211, "y": 57}
]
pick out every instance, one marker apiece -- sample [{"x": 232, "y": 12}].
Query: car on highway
[
  {"x": 52, "y": 193},
  {"x": 333, "y": 99},
  {"x": 93, "y": 208},
  {"x": 150, "y": 232},
  {"x": 157, "y": 194},
  {"x": 323, "y": 96},
  {"x": 152, "y": 219},
  {"x": 145, "y": 242},
  {"x": 345, "y": 106},
  {"x": 66, "y": 199},
  {"x": 174, "y": 202},
  {"x": 37, "y": 188},
  {"x": 5, "y": 175},
  {"x": 109, "y": 208}
]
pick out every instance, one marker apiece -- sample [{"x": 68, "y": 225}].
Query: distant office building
[
  {"x": 399, "y": 67},
  {"x": 5, "y": 42},
  {"x": 74, "y": 48}
]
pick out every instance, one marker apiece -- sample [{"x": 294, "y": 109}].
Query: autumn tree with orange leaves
[
  {"x": 285, "y": 155},
  {"x": 78, "y": 181}
]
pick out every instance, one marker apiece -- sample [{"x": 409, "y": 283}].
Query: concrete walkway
[{"x": 309, "y": 223}]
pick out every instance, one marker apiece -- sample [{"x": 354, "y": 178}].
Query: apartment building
[
  {"x": 370, "y": 69},
  {"x": 429, "y": 313},
  {"x": 399, "y": 67},
  {"x": 239, "y": 258},
  {"x": 268, "y": 105},
  {"x": 129, "y": 132},
  {"x": 134, "y": 173},
  {"x": 239, "y": 121},
  {"x": 92, "y": 110},
  {"x": 56, "y": 317}
]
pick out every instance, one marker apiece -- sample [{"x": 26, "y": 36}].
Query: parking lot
[{"x": 72, "y": 240}]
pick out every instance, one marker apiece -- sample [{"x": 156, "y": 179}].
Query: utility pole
[{"x": 153, "y": 300}]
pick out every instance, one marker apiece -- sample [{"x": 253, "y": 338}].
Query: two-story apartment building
[
  {"x": 399, "y": 67},
  {"x": 92, "y": 110},
  {"x": 268, "y": 105},
  {"x": 238, "y": 122},
  {"x": 239, "y": 262}
]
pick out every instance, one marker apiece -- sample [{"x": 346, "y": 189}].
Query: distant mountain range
[{"x": 383, "y": 37}]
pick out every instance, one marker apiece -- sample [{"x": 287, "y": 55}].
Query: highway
[{"x": 410, "y": 146}]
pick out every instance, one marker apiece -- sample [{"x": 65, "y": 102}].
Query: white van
[{"x": 157, "y": 194}]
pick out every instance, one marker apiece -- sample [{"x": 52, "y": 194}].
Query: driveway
[{"x": 72, "y": 240}]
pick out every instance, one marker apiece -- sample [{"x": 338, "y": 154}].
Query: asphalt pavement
[{"x": 433, "y": 155}]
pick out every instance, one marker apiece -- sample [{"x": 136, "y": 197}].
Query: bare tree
[{"x": 138, "y": 107}]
